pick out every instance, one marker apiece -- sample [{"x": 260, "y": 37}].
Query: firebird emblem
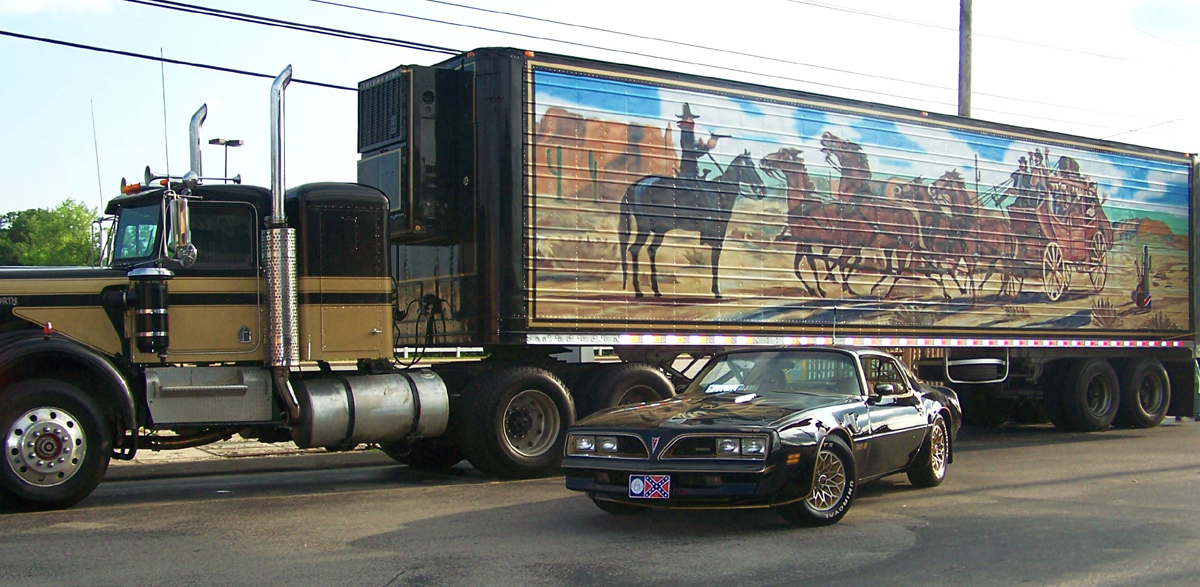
[{"x": 653, "y": 444}]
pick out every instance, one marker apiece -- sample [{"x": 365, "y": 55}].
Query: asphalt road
[{"x": 1022, "y": 505}]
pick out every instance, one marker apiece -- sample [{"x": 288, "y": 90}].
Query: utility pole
[{"x": 964, "y": 58}]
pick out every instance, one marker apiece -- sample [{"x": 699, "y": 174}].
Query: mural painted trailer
[{"x": 545, "y": 205}]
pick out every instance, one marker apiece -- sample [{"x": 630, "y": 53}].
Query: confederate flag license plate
[{"x": 650, "y": 486}]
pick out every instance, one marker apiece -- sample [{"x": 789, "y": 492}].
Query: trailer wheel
[
  {"x": 427, "y": 455},
  {"x": 56, "y": 446},
  {"x": 1145, "y": 394},
  {"x": 516, "y": 421},
  {"x": 1090, "y": 395},
  {"x": 619, "y": 385}
]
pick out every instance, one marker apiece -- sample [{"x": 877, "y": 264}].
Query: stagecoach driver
[{"x": 691, "y": 149}]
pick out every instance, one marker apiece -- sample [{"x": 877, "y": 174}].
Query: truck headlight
[
  {"x": 727, "y": 446},
  {"x": 606, "y": 443},
  {"x": 754, "y": 446},
  {"x": 583, "y": 443}
]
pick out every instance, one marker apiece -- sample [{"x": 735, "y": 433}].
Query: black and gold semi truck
[{"x": 540, "y": 207}]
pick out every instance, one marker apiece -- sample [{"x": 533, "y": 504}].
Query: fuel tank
[{"x": 370, "y": 408}]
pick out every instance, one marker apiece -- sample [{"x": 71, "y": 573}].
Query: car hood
[{"x": 730, "y": 410}]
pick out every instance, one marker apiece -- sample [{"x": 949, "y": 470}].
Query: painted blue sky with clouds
[{"x": 894, "y": 147}]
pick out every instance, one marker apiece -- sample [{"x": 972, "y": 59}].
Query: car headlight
[
  {"x": 606, "y": 443},
  {"x": 754, "y": 446},
  {"x": 727, "y": 446},
  {"x": 583, "y": 443}
]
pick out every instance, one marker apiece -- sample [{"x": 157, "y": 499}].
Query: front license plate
[{"x": 650, "y": 486}]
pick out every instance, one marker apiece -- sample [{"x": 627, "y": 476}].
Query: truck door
[
  {"x": 214, "y": 305},
  {"x": 897, "y": 423}
]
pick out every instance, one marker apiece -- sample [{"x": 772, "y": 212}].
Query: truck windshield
[
  {"x": 779, "y": 373},
  {"x": 137, "y": 233}
]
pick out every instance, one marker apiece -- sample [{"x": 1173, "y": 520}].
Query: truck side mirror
[
  {"x": 882, "y": 389},
  {"x": 182, "y": 249}
]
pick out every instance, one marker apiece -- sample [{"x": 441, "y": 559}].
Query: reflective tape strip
[{"x": 808, "y": 340}]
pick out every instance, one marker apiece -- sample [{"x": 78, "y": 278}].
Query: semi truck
[{"x": 542, "y": 207}]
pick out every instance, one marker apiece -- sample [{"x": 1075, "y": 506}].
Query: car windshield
[{"x": 779, "y": 373}]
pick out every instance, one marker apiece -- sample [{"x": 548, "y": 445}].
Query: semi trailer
[{"x": 541, "y": 207}]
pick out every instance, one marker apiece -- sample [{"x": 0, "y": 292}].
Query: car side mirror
[{"x": 882, "y": 389}]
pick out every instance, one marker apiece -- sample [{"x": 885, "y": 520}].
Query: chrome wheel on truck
[
  {"x": 515, "y": 421},
  {"x": 531, "y": 423},
  {"x": 56, "y": 447}
]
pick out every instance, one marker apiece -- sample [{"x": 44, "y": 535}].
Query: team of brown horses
[{"x": 912, "y": 230}]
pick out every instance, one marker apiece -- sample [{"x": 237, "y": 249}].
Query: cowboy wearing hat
[{"x": 691, "y": 148}]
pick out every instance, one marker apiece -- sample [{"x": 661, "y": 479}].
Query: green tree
[{"x": 59, "y": 236}]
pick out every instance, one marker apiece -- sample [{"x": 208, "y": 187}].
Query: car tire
[
  {"x": 834, "y": 485},
  {"x": 1091, "y": 395},
  {"x": 68, "y": 423},
  {"x": 515, "y": 422},
  {"x": 424, "y": 455},
  {"x": 934, "y": 457},
  {"x": 619, "y": 509},
  {"x": 625, "y": 384},
  {"x": 1145, "y": 394}
]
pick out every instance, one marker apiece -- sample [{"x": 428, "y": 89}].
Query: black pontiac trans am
[{"x": 793, "y": 429}]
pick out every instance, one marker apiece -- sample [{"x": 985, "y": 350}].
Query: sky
[{"x": 74, "y": 122}]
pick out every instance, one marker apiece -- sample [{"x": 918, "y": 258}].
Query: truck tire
[
  {"x": 515, "y": 422},
  {"x": 1091, "y": 395},
  {"x": 618, "y": 385},
  {"x": 435, "y": 455},
  {"x": 1145, "y": 394},
  {"x": 56, "y": 446}
]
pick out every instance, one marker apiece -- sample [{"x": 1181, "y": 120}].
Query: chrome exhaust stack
[
  {"x": 195, "y": 163},
  {"x": 279, "y": 258}
]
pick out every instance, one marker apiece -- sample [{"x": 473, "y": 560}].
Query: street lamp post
[{"x": 227, "y": 143}]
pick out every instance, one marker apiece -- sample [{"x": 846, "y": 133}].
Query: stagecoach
[{"x": 1066, "y": 231}]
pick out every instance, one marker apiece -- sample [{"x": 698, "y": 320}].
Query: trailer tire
[
  {"x": 515, "y": 422},
  {"x": 68, "y": 423},
  {"x": 1145, "y": 394},
  {"x": 1091, "y": 395},
  {"x": 424, "y": 455},
  {"x": 624, "y": 384}
]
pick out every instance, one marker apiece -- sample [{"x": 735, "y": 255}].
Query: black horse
[{"x": 660, "y": 204}]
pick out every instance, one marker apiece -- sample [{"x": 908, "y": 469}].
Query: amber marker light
[{"x": 529, "y": 54}]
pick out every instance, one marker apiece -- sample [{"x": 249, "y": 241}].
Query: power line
[
  {"x": 659, "y": 40},
  {"x": 622, "y": 51},
  {"x": 754, "y": 55},
  {"x": 728, "y": 52},
  {"x": 171, "y": 61},
  {"x": 292, "y": 25},
  {"x": 949, "y": 28},
  {"x": 255, "y": 19}
]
